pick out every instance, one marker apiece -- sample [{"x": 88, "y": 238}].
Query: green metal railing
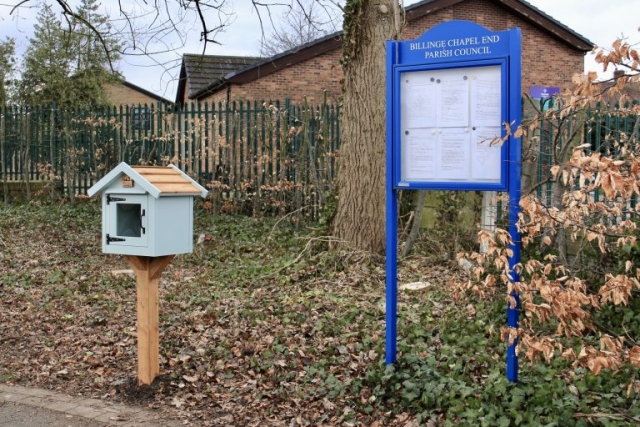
[
  {"x": 601, "y": 130},
  {"x": 255, "y": 156},
  {"x": 242, "y": 149}
]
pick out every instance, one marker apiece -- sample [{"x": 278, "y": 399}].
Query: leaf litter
[{"x": 247, "y": 337}]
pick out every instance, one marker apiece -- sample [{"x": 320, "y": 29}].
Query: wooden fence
[
  {"x": 271, "y": 157},
  {"x": 258, "y": 158}
]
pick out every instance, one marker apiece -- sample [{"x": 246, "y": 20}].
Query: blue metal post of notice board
[
  {"x": 515, "y": 177},
  {"x": 391, "y": 208},
  {"x": 513, "y": 310}
]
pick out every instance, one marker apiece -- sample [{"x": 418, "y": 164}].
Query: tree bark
[{"x": 360, "y": 219}]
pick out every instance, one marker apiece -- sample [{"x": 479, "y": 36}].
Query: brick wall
[
  {"x": 309, "y": 78},
  {"x": 545, "y": 61},
  {"x": 120, "y": 94}
]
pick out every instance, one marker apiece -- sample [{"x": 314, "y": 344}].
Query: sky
[{"x": 600, "y": 21}]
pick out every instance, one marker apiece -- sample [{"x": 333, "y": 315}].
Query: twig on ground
[
  {"x": 285, "y": 217},
  {"x": 306, "y": 248}
]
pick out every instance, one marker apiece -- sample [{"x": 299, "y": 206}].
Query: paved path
[{"x": 28, "y": 407}]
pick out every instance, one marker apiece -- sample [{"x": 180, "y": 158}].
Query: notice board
[
  {"x": 451, "y": 125},
  {"x": 453, "y": 95},
  {"x": 450, "y": 95}
]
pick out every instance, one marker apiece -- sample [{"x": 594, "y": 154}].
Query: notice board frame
[
  {"x": 402, "y": 131},
  {"x": 453, "y": 45},
  {"x": 449, "y": 46}
]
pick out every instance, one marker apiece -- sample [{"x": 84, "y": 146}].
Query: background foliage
[
  {"x": 578, "y": 280},
  {"x": 66, "y": 63},
  {"x": 259, "y": 159}
]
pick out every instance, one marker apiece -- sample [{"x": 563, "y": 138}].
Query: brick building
[
  {"x": 205, "y": 73},
  {"x": 125, "y": 93},
  {"x": 551, "y": 54}
]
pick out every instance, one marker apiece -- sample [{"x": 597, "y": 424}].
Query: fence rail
[{"x": 268, "y": 156}]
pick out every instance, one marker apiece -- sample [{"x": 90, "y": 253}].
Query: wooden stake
[{"x": 148, "y": 271}]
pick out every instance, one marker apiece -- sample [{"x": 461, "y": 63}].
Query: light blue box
[{"x": 147, "y": 210}]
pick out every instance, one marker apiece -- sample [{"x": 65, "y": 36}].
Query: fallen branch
[
  {"x": 306, "y": 248},
  {"x": 285, "y": 217}
]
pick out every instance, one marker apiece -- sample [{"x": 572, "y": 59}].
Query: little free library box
[
  {"x": 147, "y": 210},
  {"x": 147, "y": 215}
]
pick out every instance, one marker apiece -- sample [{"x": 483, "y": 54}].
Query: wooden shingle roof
[
  {"x": 156, "y": 180},
  {"x": 168, "y": 180}
]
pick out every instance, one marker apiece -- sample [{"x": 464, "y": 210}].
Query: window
[
  {"x": 141, "y": 119},
  {"x": 129, "y": 220},
  {"x": 126, "y": 220}
]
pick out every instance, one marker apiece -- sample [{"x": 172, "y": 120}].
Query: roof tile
[{"x": 204, "y": 69}]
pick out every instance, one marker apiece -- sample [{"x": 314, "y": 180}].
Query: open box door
[{"x": 126, "y": 220}]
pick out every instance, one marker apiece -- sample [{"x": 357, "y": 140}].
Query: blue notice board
[{"x": 451, "y": 92}]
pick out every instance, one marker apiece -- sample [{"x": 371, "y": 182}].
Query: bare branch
[{"x": 14, "y": 8}]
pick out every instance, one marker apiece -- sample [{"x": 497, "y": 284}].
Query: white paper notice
[
  {"x": 486, "y": 101},
  {"x": 453, "y": 107},
  {"x": 419, "y": 107},
  {"x": 421, "y": 155},
  {"x": 455, "y": 153},
  {"x": 487, "y": 154}
]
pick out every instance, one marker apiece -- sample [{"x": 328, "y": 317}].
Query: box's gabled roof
[{"x": 156, "y": 180}]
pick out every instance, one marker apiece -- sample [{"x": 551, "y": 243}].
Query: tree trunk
[{"x": 360, "y": 219}]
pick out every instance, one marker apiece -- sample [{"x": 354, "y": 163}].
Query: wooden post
[{"x": 148, "y": 271}]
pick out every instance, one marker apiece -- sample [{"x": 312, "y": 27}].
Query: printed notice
[
  {"x": 455, "y": 151},
  {"x": 453, "y": 107},
  {"x": 486, "y": 101},
  {"x": 486, "y": 154},
  {"x": 419, "y": 108},
  {"x": 420, "y": 156}
]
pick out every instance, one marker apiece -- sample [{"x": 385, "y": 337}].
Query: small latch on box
[
  {"x": 114, "y": 239},
  {"x": 110, "y": 199}
]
